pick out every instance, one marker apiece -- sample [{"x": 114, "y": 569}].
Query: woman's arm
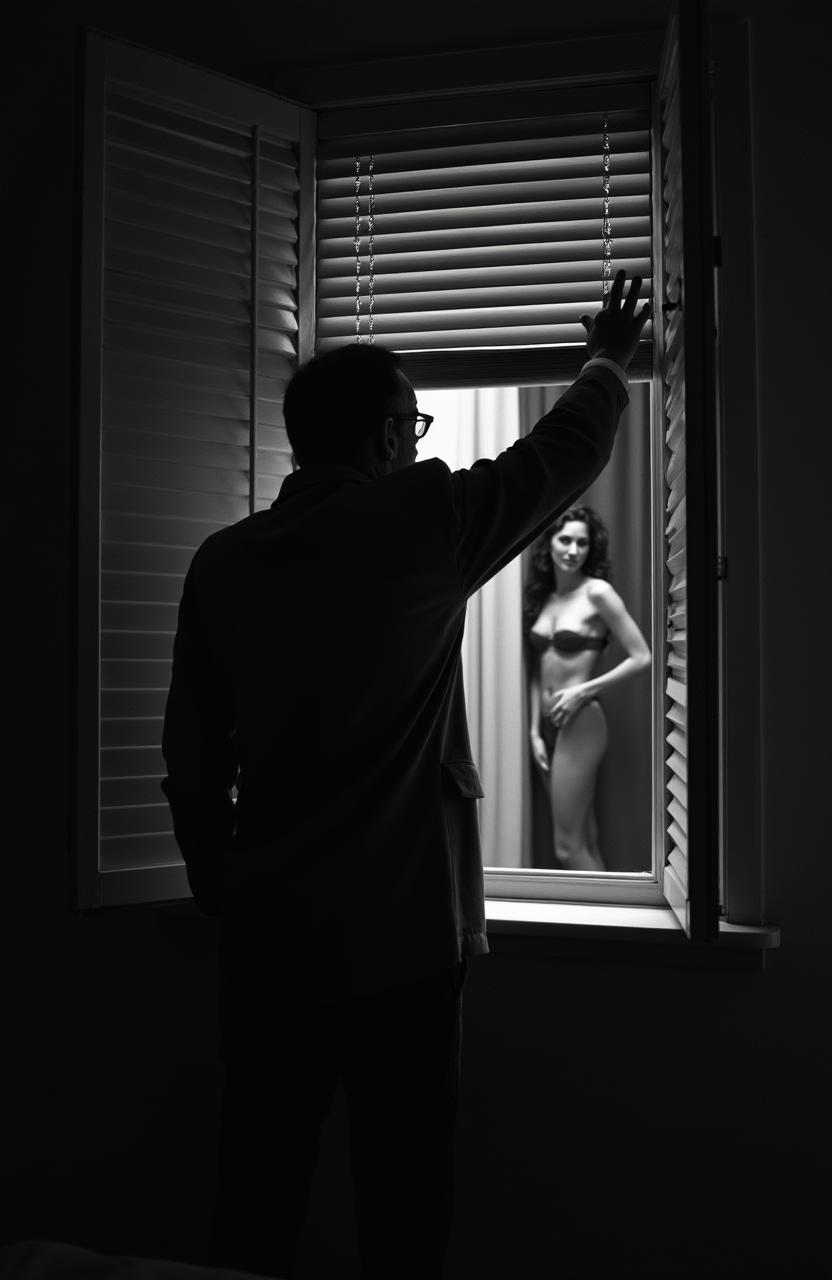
[
  {"x": 534, "y": 701},
  {"x": 612, "y": 609},
  {"x": 537, "y": 743}
]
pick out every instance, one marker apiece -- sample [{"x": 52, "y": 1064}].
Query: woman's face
[{"x": 569, "y": 545}]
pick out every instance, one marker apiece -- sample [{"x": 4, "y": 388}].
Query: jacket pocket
[{"x": 463, "y": 777}]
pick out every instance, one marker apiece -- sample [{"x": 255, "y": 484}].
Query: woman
[{"x": 570, "y": 609}]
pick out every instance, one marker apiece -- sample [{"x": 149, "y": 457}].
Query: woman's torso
[{"x": 561, "y": 667}]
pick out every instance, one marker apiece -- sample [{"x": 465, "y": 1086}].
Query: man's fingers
[
  {"x": 617, "y": 288},
  {"x": 632, "y": 296}
]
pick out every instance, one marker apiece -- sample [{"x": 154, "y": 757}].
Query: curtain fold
[{"x": 471, "y": 424}]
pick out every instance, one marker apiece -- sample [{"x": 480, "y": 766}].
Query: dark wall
[{"x": 634, "y": 1116}]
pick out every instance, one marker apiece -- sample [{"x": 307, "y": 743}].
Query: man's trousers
[{"x": 397, "y": 1053}]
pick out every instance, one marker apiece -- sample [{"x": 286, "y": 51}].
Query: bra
[{"x": 566, "y": 641}]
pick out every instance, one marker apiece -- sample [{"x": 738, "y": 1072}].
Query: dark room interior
[{"x": 622, "y": 1113}]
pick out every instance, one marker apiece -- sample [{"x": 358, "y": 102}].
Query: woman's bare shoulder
[{"x": 599, "y": 589}]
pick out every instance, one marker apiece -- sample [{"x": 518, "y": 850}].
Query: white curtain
[{"x": 474, "y": 423}]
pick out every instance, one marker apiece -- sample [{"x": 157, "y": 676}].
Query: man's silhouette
[{"x": 317, "y": 667}]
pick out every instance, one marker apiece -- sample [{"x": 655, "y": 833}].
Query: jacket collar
[{"x": 316, "y": 477}]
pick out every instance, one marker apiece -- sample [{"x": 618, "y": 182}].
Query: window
[{"x": 199, "y": 213}]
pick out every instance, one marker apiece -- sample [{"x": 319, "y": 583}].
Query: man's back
[{"x": 326, "y": 632}]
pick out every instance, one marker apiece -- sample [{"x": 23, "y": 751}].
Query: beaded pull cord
[
  {"x": 606, "y": 225},
  {"x": 357, "y": 243}
]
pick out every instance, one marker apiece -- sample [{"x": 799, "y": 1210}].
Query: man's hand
[{"x": 615, "y": 331}]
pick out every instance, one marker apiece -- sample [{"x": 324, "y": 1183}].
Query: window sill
[{"x": 644, "y": 934}]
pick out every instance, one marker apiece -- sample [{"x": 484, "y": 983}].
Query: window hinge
[
  {"x": 722, "y": 566},
  {"x": 717, "y": 251}
]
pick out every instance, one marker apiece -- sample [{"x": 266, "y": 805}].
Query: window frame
[
  {"x": 580, "y": 61},
  {"x": 610, "y": 59}
]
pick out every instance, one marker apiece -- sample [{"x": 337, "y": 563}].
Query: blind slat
[{"x": 485, "y": 208}]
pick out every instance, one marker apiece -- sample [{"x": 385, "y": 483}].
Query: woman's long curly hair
[{"x": 540, "y": 578}]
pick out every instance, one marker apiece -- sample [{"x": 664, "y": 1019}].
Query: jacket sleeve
[
  {"x": 198, "y": 746},
  {"x": 501, "y": 505}
]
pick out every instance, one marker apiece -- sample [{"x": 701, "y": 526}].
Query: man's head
[{"x": 351, "y": 406}]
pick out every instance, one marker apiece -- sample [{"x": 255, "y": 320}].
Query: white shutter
[
  {"x": 685, "y": 353},
  {"x": 488, "y": 227},
  {"x": 191, "y": 228}
]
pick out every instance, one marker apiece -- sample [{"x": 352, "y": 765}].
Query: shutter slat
[
  {"x": 136, "y": 675},
  {"x": 145, "y": 446},
  {"x": 134, "y": 852},
  {"x": 173, "y": 355},
  {"x": 678, "y": 641},
  {"x": 678, "y": 764},
  {"x": 127, "y": 762},
  {"x": 679, "y": 790},
  {"x": 122, "y": 615},
  {"x": 678, "y": 517},
  {"x": 676, "y": 491},
  {"x": 136, "y": 646},
  {"x": 676, "y": 540},
  {"x": 148, "y": 588},
  {"x": 678, "y": 857},
  {"x": 678, "y": 587},
  {"x": 123, "y": 792},
  {"x": 139, "y": 731},
  {"x": 156, "y": 401},
  {"x": 132, "y": 192},
  {"x": 678, "y": 813},
  {"x": 175, "y": 502},
  {"x": 676, "y": 462},
  {"x": 128, "y": 170},
  {"x": 676, "y": 562},
  {"x": 678, "y": 715},
  {"x": 130, "y": 704},
  {"x": 676, "y": 690},
  {"x": 675, "y": 891},
  {"x": 150, "y": 528}
]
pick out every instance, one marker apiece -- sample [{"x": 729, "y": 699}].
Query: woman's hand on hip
[{"x": 566, "y": 703}]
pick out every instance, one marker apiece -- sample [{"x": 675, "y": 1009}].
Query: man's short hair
[{"x": 334, "y": 401}]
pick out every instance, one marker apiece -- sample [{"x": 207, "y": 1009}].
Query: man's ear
[{"x": 390, "y": 440}]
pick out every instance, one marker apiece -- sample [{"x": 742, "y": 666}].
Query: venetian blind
[
  {"x": 488, "y": 227},
  {"x": 199, "y": 235},
  {"x": 686, "y": 357}
]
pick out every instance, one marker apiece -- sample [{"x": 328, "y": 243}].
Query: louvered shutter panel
[
  {"x": 685, "y": 341},
  {"x": 197, "y": 187},
  {"x": 488, "y": 228}
]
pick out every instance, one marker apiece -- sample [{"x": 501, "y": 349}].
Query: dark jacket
[{"x": 317, "y": 665}]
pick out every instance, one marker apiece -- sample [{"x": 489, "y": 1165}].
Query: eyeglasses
[{"x": 420, "y": 420}]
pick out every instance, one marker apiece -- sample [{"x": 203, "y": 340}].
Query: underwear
[{"x": 549, "y": 730}]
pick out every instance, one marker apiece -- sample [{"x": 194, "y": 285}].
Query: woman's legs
[{"x": 579, "y": 749}]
